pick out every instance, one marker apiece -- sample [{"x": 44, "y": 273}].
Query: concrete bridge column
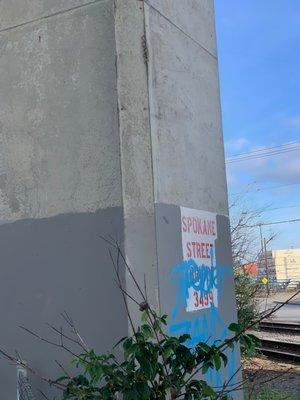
[{"x": 110, "y": 125}]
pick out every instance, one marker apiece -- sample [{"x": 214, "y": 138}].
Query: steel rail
[
  {"x": 280, "y": 349},
  {"x": 280, "y": 326}
]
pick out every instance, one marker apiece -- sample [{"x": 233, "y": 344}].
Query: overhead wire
[
  {"x": 265, "y": 149},
  {"x": 288, "y": 221},
  {"x": 262, "y": 155},
  {"x": 280, "y": 208},
  {"x": 267, "y": 188}
]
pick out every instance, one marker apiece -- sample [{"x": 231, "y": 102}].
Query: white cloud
[
  {"x": 236, "y": 145},
  {"x": 294, "y": 121},
  {"x": 281, "y": 168},
  {"x": 284, "y": 168}
]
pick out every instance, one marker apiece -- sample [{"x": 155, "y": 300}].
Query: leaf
[
  {"x": 145, "y": 316},
  {"x": 208, "y": 390},
  {"x": 184, "y": 338},
  {"x": 224, "y": 358},
  {"x": 131, "y": 394},
  {"x": 204, "y": 346},
  {"x": 205, "y": 368},
  {"x": 168, "y": 352},
  {"x": 129, "y": 347},
  {"x": 254, "y": 339},
  {"x": 120, "y": 341},
  {"x": 229, "y": 343},
  {"x": 217, "y": 361},
  {"x": 146, "y": 331},
  {"x": 235, "y": 327},
  {"x": 143, "y": 390}
]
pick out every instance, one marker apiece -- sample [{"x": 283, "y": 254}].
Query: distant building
[
  {"x": 281, "y": 265},
  {"x": 251, "y": 269}
]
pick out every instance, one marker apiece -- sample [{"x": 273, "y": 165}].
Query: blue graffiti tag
[{"x": 205, "y": 325}]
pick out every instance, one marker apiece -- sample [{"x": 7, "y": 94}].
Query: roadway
[{"x": 289, "y": 312}]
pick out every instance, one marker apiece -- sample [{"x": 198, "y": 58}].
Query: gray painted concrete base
[
  {"x": 61, "y": 263},
  {"x": 54, "y": 265}
]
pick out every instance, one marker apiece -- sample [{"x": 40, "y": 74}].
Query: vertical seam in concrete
[
  {"x": 118, "y": 114},
  {"x": 140, "y": 48},
  {"x": 147, "y": 38},
  {"x": 120, "y": 153},
  {"x": 220, "y": 106}
]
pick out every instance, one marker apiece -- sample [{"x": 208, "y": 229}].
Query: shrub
[
  {"x": 246, "y": 297},
  {"x": 154, "y": 366}
]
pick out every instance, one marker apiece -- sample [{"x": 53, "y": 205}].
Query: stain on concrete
[
  {"x": 14, "y": 204},
  {"x": 3, "y": 44}
]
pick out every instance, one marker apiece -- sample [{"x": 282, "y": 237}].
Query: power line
[
  {"x": 278, "y": 186},
  {"x": 280, "y": 208},
  {"x": 268, "y": 188},
  {"x": 288, "y": 221},
  {"x": 264, "y": 149},
  {"x": 262, "y": 155}
]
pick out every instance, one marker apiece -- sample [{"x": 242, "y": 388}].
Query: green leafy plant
[
  {"x": 154, "y": 366},
  {"x": 246, "y": 290}
]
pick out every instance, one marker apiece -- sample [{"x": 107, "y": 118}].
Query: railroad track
[
  {"x": 278, "y": 349},
  {"x": 280, "y": 326}
]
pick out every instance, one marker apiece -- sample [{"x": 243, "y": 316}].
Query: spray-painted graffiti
[{"x": 206, "y": 325}]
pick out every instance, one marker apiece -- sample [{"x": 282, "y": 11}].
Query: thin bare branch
[
  {"x": 59, "y": 345},
  {"x": 31, "y": 370},
  {"x": 63, "y": 369},
  {"x": 60, "y": 332},
  {"x": 72, "y": 325}
]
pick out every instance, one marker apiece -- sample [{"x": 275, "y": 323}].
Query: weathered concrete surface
[
  {"x": 193, "y": 17},
  {"x": 19, "y": 12},
  {"x": 60, "y": 179},
  {"x": 106, "y": 108},
  {"x": 188, "y": 161},
  {"x": 188, "y": 152},
  {"x": 58, "y": 115}
]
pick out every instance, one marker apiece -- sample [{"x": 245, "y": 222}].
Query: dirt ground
[{"x": 278, "y": 375}]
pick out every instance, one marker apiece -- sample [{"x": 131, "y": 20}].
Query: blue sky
[{"x": 259, "y": 64}]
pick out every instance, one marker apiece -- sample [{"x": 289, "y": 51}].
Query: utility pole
[
  {"x": 261, "y": 239},
  {"x": 261, "y": 243},
  {"x": 266, "y": 266}
]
